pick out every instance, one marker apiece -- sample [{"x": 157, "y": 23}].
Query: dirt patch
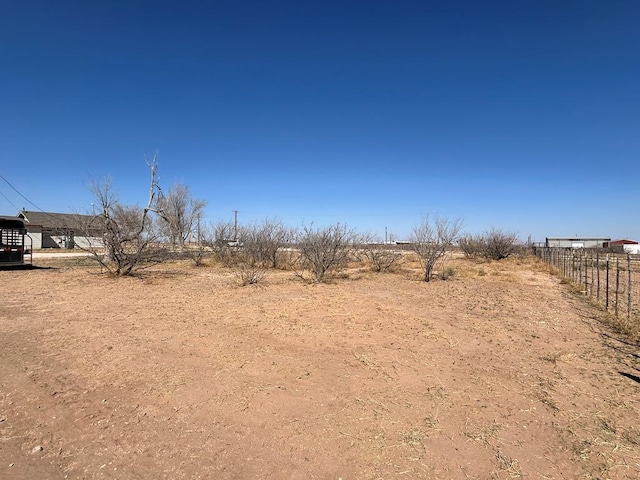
[{"x": 498, "y": 373}]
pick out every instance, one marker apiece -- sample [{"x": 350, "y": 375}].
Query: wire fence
[{"x": 611, "y": 279}]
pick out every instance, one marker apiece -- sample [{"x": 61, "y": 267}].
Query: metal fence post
[
  {"x": 586, "y": 274},
  {"x": 606, "y": 291},
  {"x": 617, "y": 281},
  {"x": 598, "y": 275},
  {"x": 592, "y": 282},
  {"x": 629, "y": 287}
]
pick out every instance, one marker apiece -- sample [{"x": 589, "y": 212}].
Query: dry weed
[{"x": 508, "y": 464}]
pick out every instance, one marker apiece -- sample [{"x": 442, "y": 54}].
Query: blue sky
[{"x": 519, "y": 115}]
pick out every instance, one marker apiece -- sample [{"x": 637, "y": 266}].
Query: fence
[{"x": 613, "y": 280}]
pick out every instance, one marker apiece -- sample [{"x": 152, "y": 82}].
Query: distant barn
[{"x": 577, "y": 242}]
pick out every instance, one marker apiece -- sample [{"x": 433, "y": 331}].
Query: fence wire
[{"x": 611, "y": 279}]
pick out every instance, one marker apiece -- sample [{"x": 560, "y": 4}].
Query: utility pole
[
  {"x": 385, "y": 236},
  {"x": 235, "y": 225}
]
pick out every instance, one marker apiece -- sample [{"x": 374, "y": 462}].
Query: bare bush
[
  {"x": 198, "y": 255},
  {"x": 381, "y": 257},
  {"x": 326, "y": 251},
  {"x": 266, "y": 241},
  {"x": 247, "y": 259},
  {"x": 500, "y": 244},
  {"x": 239, "y": 249},
  {"x": 248, "y": 272},
  {"x": 221, "y": 239},
  {"x": 432, "y": 239},
  {"x": 472, "y": 245}
]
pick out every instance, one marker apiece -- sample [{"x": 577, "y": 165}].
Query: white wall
[
  {"x": 81, "y": 242},
  {"x": 36, "y": 240}
]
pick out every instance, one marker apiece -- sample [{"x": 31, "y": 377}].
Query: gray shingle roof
[{"x": 58, "y": 221}]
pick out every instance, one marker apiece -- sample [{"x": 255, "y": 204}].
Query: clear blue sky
[{"x": 521, "y": 115}]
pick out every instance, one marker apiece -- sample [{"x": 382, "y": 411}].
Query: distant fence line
[{"x": 611, "y": 279}]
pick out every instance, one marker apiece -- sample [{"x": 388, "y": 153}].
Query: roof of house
[
  {"x": 57, "y": 221},
  {"x": 622, "y": 242}
]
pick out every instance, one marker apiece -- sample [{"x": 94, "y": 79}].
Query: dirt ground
[{"x": 501, "y": 373}]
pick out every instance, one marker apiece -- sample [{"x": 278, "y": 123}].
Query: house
[
  {"x": 61, "y": 230},
  {"x": 624, "y": 246},
  {"x": 619, "y": 243},
  {"x": 577, "y": 242}
]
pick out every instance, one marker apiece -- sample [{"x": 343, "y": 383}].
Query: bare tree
[
  {"x": 325, "y": 251},
  {"x": 181, "y": 212},
  {"x": 431, "y": 240},
  {"x": 129, "y": 238}
]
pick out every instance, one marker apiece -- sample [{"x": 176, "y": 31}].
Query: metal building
[{"x": 577, "y": 242}]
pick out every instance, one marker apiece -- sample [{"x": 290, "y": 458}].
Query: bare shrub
[
  {"x": 324, "y": 252},
  {"x": 247, "y": 259},
  {"x": 266, "y": 241},
  {"x": 431, "y": 240},
  {"x": 499, "y": 244},
  {"x": 249, "y": 250},
  {"x": 472, "y": 246},
  {"x": 198, "y": 254},
  {"x": 248, "y": 273},
  {"x": 220, "y": 239},
  {"x": 493, "y": 244},
  {"x": 381, "y": 257}
]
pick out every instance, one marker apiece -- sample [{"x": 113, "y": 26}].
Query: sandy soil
[{"x": 181, "y": 374}]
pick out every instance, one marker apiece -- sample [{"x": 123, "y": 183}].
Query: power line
[
  {"x": 28, "y": 201},
  {"x": 10, "y": 202},
  {"x": 18, "y": 192}
]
